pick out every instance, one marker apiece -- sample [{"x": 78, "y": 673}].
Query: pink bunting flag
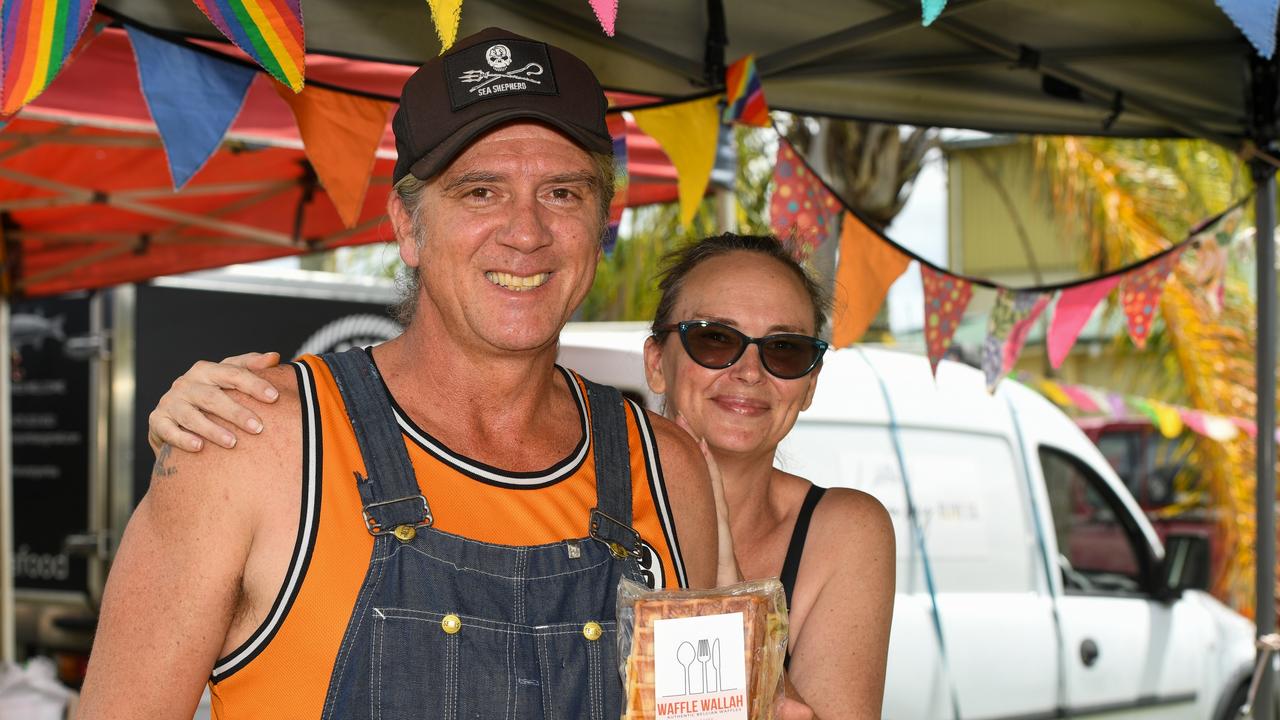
[
  {"x": 1010, "y": 321},
  {"x": 1075, "y": 306},
  {"x": 1248, "y": 426},
  {"x": 1210, "y": 272},
  {"x": 802, "y": 211},
  {"x": 945, "y": 299},
  {"x": 607, "y": 13},
  {"x": 1140, "y": 293},
  {"x": 1080, "y": 398}
]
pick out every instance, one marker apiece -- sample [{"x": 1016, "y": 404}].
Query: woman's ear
[
  {"x": 653, "y": 366},
  {"x": 402, "y": 225}
]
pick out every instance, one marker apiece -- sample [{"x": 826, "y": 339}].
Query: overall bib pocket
[{"x": 584, "y": 656}]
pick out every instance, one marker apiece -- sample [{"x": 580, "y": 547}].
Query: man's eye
[
  {"x": 480, "y": 193},
  {"x": 563, "y": 194}
]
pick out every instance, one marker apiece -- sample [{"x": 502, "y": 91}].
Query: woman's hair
[{"x": 677, "y": 264}]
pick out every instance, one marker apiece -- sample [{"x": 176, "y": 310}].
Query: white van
[{"x": 1048, "y": 585}]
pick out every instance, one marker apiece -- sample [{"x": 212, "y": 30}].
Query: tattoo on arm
[{"x": 162, "y": 468}]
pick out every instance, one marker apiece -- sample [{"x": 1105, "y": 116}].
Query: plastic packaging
[{"x": 702, "y": 654}]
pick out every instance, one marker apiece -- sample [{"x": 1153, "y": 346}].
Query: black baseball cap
[{"x": 486, "y": 79}]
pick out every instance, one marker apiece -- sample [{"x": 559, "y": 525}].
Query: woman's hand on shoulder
[
  {"x": 182, "y": 418},
  {"x": 727, "y": 570}
]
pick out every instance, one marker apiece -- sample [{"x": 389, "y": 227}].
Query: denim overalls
[{"x": 445, "y": 627}]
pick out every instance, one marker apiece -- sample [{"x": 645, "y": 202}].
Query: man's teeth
[{"x": 517, "y": 282}]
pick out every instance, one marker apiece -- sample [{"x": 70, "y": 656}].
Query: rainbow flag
[
  {"x": 746, "y": 98},
  {"x": 37, "y": 37},
  {"x": 270, "y": 31}
]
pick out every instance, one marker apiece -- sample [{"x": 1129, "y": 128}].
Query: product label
[{"x": 700, "y": 668}]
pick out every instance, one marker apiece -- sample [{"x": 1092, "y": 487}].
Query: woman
[{"x": 833, "y": 549}]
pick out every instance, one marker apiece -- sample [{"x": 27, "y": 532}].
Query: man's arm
[
  {"x": 179, "y": 577},
  {"x": 692, "y": 503}
]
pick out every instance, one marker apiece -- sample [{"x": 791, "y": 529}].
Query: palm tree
[{"x": 1127, "y": 199}]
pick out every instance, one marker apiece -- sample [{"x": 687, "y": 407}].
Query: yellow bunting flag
[
  {"x": 687, "y": 133},
  {"x": 1054, "y": 392},
  {"x": 340, "y": 133},
  {"x": 867, "y": 266},
  {"x": 1168, "y": 420},
  {"x": 445, "y": 14}
]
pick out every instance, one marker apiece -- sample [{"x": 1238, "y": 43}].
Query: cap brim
[{"x": 444, "y": 153}]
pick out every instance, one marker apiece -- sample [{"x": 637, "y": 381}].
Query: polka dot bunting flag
[
  {"x": 945, "y": 299},
  {"x": 1140, "y": 292},
  {"x": 801, "y": 209}
]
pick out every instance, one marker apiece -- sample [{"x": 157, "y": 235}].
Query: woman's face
[{"x": 741, "y": 409}]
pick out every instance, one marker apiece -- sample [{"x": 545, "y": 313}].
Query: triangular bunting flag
[
  {"x": 1081, "y": 398},
  {"x": 1167, "y": 419},
  {"x": 1072, "y": 311},
  {"x": 1214, "y": 427},
  {"x": 745, "y": 96},
  {"x": 1056, "y": 393},
  {"x": 340, "y": 133},
  {"x": 607, "y": 13},
  {"x": 1140, "y": 292},
  {"x": 801, "y": 210},
  {"x": 1210, "y": 272},
  {"x": 930, "y": 10},
  {"x": 867, "y": 266},
  {"x": 945, "y": 299},
  {"x": 1256, "y": 19},
  {"x": 687, "y": 132},
  {"x": 37, "y": 39},
  {"x": 1011, "y": 319},
  {"x": 193, "y": 99},
  {"x": 446, "y": 14},
  {"x": 269, "y": 31}
]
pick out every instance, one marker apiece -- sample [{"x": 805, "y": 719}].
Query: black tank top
[{"x": 791, "y": 565}]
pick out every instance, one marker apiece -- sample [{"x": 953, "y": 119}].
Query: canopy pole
[
  {"x": 1265, "y": 184},
  {"x": 8, "y": 643}
]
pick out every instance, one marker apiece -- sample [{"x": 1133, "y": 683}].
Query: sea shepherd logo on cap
[{"x": 491, "y": 70}]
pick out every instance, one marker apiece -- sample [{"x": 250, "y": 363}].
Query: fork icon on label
[{"x": 704, "y": 654}]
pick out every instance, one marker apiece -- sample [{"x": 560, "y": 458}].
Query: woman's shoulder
[{"x": 852, "y": 519}]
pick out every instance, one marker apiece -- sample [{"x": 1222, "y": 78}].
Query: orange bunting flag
[
  {"x": 687, "y": 133},
  {"x": 269, "y": 31},
  {"x": 1140, "y": 292},
  {"x": 865, "y": 269},
  {"x": 945, "y": 299},
  {"x": 340, "y": 134},
  {"x": 801, "y": 211},
  {"x": 446, "y": 14},
  {"x": 1007, "y": 328}
]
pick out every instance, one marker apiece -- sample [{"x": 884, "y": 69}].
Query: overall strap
[
  {"x": 611, "y": 518},
  {"x": 791, "y": 565},
  {"x": 390, "y": 491}
]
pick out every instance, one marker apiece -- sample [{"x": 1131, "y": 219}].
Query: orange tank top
[{"x": 283, "y": 669}]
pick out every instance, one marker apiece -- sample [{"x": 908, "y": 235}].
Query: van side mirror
[{"x": 1185, "y": 566}]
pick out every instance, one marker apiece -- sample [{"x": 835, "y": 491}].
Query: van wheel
[{"x": 1236, "y": 703}]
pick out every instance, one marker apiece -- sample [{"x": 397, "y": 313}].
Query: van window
[
  {"x": 1096, "y": 552},
  {"x": 969, "y": 497}
]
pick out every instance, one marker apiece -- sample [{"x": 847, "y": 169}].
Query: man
[{"x": 435, "y": 528}]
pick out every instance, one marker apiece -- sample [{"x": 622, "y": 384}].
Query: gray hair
[{"x": 411, "y": 191}]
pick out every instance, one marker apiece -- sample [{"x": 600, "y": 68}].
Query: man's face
[{"x": 510, "y": 238}]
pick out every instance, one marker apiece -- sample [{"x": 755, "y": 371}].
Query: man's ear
[
  {"x": 653, "y": 366},
  {"x": 402, "y": 225}
]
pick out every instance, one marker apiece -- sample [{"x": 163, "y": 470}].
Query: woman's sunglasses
[{"x": 716, "y": 346}]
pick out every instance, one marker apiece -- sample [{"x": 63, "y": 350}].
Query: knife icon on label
[{"x": 715, "y": 665}]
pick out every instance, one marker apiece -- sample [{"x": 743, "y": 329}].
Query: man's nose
[{"x": 526, "y": 231}]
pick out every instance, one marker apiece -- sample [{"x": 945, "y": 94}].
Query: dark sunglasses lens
[
  {"x": 790, "y": 356},
  {"x": 713, "y": 346}
]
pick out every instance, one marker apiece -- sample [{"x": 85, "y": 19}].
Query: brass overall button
[
  {"x": 592, "y": 630},
  {"x": 451, "y": 624},
  {"x": 617, "y": 550},
  {"x": 405, "y": 533}
]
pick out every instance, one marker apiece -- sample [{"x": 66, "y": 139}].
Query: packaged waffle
[{"x": 702, "y": 654}]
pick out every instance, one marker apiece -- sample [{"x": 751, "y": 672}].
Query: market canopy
[{"x": 1085, "y": 67}]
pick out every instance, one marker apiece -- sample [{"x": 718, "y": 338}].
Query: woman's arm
[
  {"x": 181, "y": 419},
  {"x": 846, "y": 579}
]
